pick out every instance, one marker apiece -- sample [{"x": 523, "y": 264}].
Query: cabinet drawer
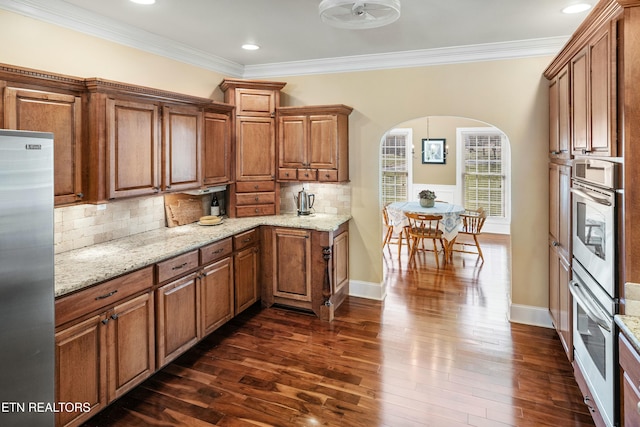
[
  {"x": 215, "y": 251},
  {"x": 327, "y": 175},
  {"x": 177, "y": 266},
  {"x": 287, "y": 174},
  {"x": 75, "y": 305},
  {"x": 255, "y": 198},
  {"x": 243, "y": 240},
  {"x": 255, "y": 210},
  {"x": 307, "y": 174},
  {"x": 251, "y": 187},
  {"x": 629, "y": 360}
]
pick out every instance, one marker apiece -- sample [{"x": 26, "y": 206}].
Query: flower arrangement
[{"x": 427, "y": 194}]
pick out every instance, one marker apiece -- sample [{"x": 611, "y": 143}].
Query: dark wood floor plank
[{"x": 439, "y": 351}]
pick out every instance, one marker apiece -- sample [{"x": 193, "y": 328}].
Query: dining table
[{"x": 449, "y": 224}]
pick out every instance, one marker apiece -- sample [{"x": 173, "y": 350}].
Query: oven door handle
[
  {"x": 588, "y": 306},
  {"x": 588, "y": 196}
]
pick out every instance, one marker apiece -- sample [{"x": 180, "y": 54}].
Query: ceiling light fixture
[
  {"x": 143, "y": 1},
  {"x": 250, "y": 46},
  {"x": 576, "y": 8},
  {"x": 359, "y": 14}
]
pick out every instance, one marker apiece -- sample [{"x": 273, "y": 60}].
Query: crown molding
[
  {"x": 66, "y": 15},
  {"x": 414, "y": 58}
]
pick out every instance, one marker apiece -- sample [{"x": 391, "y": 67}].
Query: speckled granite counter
[
  {"x": 630, "y": 326},
  {"x": 94, "y": 264}
]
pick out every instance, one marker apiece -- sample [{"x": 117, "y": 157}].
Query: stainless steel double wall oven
[{"x": 594, "y": 285}]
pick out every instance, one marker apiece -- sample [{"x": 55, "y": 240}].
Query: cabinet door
[
  {"x": 217, "y": 294},
  {"x": 255, "y": 102},
  {"x": 564, "y": 304},
  {"x": 564, "y": 210},
  {"x": 293, "y": 142},
  {"x": 81, "y": 369},
  {"x": 340, "y": 262},
  {"x": 134, "y": 159},
  {"x": 559, "y": 115},
  {"x": 580, "y": 102},
  {"x": 630, "y": 378},
  {"x": 217, "y": 149},
  {"x": 181, "y": 145},
  {"x": 292, "y": 264},
  {"x": 60, "y": 114},
  {"x": 323, "y": 142},
  {"x": 600, "y": 94},
  {"x": 255, "y": 149},
  {"x": 177, "y": 318},
  {"x": 554, "y": 286},
  {"x": 554, "y": 201},
  {"x": 131, "y": 344},
  {"x": 245, "y": 266}
]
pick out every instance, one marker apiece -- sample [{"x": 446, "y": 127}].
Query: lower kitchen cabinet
[
  {"x": 629, "y": 383},
  {"x": 100, "y": 358},
  {"x": 292, "y": 264},
  {"x": 178, "y": 326},
  {"x": 217, "y": 301},
  {"x": 245, "y": 266}
]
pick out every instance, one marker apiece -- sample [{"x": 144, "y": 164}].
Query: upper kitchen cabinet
[
  {"x": 141, "y": 141},
  {"x": 560, "y": 115},
  {"x": 313, "y": 143},
  {"x": 53, "y": 105},
  {"x": 217, "y": 161},
  {"x": 593, "y": 95},
  {"x": 255, "y": 144}
]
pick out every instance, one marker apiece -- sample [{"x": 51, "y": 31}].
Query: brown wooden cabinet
[
  {"x": 246, "y": 269},
  {"x": 560, "y": 253},
  {"x": 629, "y": 382},
  {"x": 560, "y": 115},
  {"x": 255, "y": 140},
  {"x": 292, "y": 265},
  {"x": 217, "y": 285},
  {"x": 313, "y": 143},
  {"x": 306, "y": 269},
  {"x": 593, "y": 95},
  {"x": 217, "y": 164},
  {"x": 61, "y": 114},
  {"x": 105, "y": 343},
  {"x": 181, "y": 147}
]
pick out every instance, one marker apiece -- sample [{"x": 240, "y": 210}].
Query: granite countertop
[
  {"x": 84, "y": 267},
  {"x": 630, "y": 326}
]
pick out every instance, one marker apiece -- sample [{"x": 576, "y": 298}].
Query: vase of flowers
[{"x": 427, "y": 198}]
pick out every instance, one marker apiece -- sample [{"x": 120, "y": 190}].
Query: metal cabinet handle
[
  {"x": 248, "y": 239},
  {"x": 555, "y": 244},
  {"x": 178, "y": 267},
  {"x": 114, "y": 316},
  {"x": 257, "y": 199},
  {"x": 105, "y": 321},
  {"x": 106, "y": 295},
  {"x": 217, "y": 252},
  {"x": 80, "y": 195}
]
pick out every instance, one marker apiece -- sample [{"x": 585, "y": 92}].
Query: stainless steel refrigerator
[{"x": 26, "y": 279}]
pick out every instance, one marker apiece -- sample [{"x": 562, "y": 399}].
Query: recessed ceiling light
[
  {"x": 576, "y": 8},
  {"x": 143, "y": 1},
  {"x": 250, "y": 46}
]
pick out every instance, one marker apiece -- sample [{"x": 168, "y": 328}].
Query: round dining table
[{"x": 450, "y": 222}]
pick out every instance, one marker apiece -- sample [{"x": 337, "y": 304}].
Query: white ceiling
[{"x": 294, "y": 40}]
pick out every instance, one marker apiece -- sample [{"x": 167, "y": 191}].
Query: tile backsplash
[
  {"x": 632, "y": 298},
  {"x": 329, "y": 198},
  {"x": 85, "y": 225},
  {"x": 78, "y": 226}
]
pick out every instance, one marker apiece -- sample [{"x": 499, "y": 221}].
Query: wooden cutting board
[{"x": 181, "y": 209}]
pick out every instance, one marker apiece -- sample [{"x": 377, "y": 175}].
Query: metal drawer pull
[
  {"x": 106, "y": 295},
  {"x": 178, "y": 267},
  {"x": 247, "y": 240},
  {"x": 217, "y": 252}
]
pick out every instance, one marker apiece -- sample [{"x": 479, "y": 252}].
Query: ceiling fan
[{"x": 359, "y": 14}]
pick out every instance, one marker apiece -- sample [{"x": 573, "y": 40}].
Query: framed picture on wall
[{"x": 433, "y": 151}]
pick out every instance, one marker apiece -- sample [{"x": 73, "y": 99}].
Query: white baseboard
[
  {"x": 369, "y": 290},
  {"x": 530, "y": 315}
]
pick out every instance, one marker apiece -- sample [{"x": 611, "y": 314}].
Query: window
[
  {"x": 484, "y": 171},
  {"x": 396, "y": 165}
]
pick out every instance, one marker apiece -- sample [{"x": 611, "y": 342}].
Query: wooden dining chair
[
  {"x": 423, "y": 227},
  {"x": 472, "y": 222},
  {"x": 392, "y": 235}
]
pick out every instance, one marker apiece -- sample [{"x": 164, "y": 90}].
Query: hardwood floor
[{"x": 438, "y": 351}]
